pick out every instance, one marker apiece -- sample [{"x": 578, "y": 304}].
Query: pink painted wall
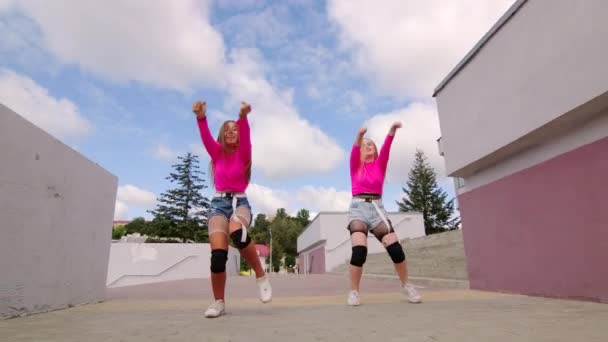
[
  {"x": 544, "y": 230},
  {"x": 316, "y": 260}
]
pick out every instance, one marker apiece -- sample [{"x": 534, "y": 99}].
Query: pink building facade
[{"x": 524, "y": 124}]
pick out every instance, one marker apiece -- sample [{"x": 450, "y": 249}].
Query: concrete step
[{"x": 439, "y": 256}]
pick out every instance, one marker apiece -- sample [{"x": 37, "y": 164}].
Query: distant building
[
  {"x": 325, "y": 243},
  {"x": 263, "y": 253},
  {"x": 120, "y": 222}
]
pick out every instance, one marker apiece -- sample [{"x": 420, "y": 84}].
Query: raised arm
[
  {"x": 386, "y": 146},
  {"x": 355, "y": 153},
  {"x": 244, "y": 132},
  {"x": 213, "y": 147}
]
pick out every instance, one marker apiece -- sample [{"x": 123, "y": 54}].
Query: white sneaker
[
  {"x": 265, "y": 289},
  {"x": 413, "y": 296},
  {"x": 353, "y": 298},
  {"x": 216, "y": 309}
]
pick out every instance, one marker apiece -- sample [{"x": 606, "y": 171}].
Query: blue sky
[{"x": 116, "y": 80}]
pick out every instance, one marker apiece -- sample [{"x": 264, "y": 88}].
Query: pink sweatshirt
[
  {"x": 369, "y": 177},
  {"x": 229, "y": 169}
]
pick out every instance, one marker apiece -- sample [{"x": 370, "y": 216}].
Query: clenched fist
[
  {"x": 200, "y": 109},
  {"x": 245, "y": 109}
]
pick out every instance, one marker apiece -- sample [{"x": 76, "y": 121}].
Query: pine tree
[
  {"x": 423, "y": 195},
  {"x": 183, "y": 209}
]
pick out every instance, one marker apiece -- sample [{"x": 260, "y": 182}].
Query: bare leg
[
  {"x": 387, "y": 239},
  {"x": 357, "y": 238},
  {"x": 248, "y": 253},
  {"x": 401, "y": 267},
  {"x": 218, "y": 240}
]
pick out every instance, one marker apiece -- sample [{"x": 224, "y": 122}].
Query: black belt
[
  {"x": 368, "y": 197},
  {"x": 229, "y": 194}
]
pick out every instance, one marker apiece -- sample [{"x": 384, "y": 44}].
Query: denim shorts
[
  {"x": 223, "y": 206},
  {"x": 366, "y": 212}
]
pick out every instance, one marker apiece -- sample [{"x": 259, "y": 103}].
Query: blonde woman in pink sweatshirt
[
  {"x": 367, "y": 171},
  {"x": 230, "y": 213}
]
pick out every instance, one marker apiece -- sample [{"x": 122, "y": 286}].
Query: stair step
[{"x": 435, "y": 256}]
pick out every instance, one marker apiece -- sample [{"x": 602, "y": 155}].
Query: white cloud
[
  {"x": 164, "y": 152},
  {"x": 21, "y": 44},
  {"x": 6, "y": 4},
  {"x": 318, "y": 199},
  {"x": 285, "y": 143},
  {"x": 420, "y": 131},
  {"x": 355, "y": 102},
  {"x": 238, "y": 5},
  {"x": 219, "y": 116},
  {"x": 121, "y": 211},
  {"x": 59, "y": 117},
  {"x": 132, "y": 195},
  {"x": 269, "y": 27},
  {"x": 408, "y": 46},
  {"x": 173, "y": 45},
  {"x": 168, "y": 44},
  {"x": 322, "y": 71},
  {"x": 266, "y": 200}
]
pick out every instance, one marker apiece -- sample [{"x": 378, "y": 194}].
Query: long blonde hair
[{"x": 222, "y": 142}]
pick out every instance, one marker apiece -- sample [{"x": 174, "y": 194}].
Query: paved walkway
[{"x": 312, "y": 308}]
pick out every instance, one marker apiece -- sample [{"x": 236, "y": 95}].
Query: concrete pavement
[{"x": 312, "y": 308}]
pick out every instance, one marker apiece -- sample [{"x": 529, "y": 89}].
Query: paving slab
[{"x": 312, "y": 308}]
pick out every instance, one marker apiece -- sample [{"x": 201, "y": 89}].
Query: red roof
[{"x": 263, "y": 250}]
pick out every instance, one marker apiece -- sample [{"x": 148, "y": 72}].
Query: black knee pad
[
  {"x": 236, "y": 239},
  {"x": 396, "y": 252},
  {"x": 218, "y": 260},
  {"x": 359, "y": 256}
]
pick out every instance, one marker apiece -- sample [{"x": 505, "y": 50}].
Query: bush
[{"x": 118, "y": 232}]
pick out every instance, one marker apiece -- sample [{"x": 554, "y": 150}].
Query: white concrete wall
[
  {"x": 547, "y": 60},
  {"x": 142, "y": 263},
  {"x": 56, "y": 210},
  {"x": 577, "y": 136},
  {"x": 331, "y": 228},
  {"x": 311, "y": 235}
]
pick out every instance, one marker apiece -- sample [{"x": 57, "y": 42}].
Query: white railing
[
  {"x": 141, "y": 263},
  {"x": 151, "y": 274}
]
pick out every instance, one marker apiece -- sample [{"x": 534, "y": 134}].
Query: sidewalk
[{"x": 312, "y": 308}]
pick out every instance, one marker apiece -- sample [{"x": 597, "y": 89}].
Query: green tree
[
  {"x": 285, "y": 234},
  {"x": 290, "y": 261},
  {"x": 281, "y": 214},
  {"x": 260, "y": 230},
  {"x": 181, "y": 212},
  {"x": 244, "y": 265},
  {"x": 138, "y": 225},
  {"x": 285, "y": 231},
  {"x": 277, "y": 256},
  {"x": 303, "y": 217},
  {"x": 118, "y": 232},
  {"x": 425, "y": 196}
]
